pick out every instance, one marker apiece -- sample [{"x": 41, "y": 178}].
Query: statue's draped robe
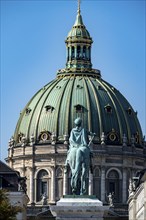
[{"x": 78, "y": 158}]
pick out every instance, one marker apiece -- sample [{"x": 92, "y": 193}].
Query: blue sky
[{"x": 33, "y": 49}]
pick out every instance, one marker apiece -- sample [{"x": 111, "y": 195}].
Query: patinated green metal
[{"x": 78, "y": 158}]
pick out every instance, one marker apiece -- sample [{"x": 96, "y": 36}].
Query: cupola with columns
[
  {"x": 78, "y": 49},
  {"x": 78, "y": 45}
]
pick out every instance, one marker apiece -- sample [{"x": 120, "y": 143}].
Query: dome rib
[
  {"x": 122, "y": 109},
  {"x": 17, "y": 130},
  {"x": 98, "y": 106},
  {"x": 57, "y": 125},
  {"x": 37, "y": 121},
  {"x": 115, "y": 107},
  {"x": 88, "y": 106},
  {"x": 139, "y": 130},
  {"x": 31, "y": 119},
  {"x": 69, "y": 107}
]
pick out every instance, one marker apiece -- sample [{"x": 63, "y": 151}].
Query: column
[
  {"x": 53, "y": 185},
  {"x": 31, "y": 182},
  {"x": 81, "y": 52},
  {"x": 124, "y": 186},
  {"x": 65, "y": 184},
  {"x": 35, "y": 190},
  {"x": 10, "y": 156},
  {"x": 90, "y": 183},
  {"x": 75, "y": 52},
  {"x": 11, "y": 163},
  {"x": 22, "y": 171},
  {"x": 103, "y": 184},
  {"x": 89, "y": 53},
  {"x": 69, "y": 53}
]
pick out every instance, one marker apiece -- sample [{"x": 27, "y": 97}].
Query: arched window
[
  {"x": 78, "y": 52},
  {"x": 84, "y": 52},
  {"x": 96, "y": 183},
  {"x": 72, "y": 52},
  {"x": 43, "y": 181},
  {"x": 113, "y": 185},
  {"x": 68, "y": 54},
  {"x": 89, "y": 53}
]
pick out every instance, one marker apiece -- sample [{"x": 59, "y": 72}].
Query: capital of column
[
  {"x": 102, "y": 168},
  {"x": 31, "y": 169},
  {"x": 22, "y": 170}
]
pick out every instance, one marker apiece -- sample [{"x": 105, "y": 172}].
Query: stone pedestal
[
  {"x": 19, "y": 199},
  {"x": 79, "y": 208}
]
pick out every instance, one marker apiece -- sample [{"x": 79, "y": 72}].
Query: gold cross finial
[{"x": 79, "y": 3}]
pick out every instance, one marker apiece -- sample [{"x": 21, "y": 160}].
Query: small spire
[{"x": 79, "y": 10}]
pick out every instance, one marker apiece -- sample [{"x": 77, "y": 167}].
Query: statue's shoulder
[
  {"x": 84, "y": 130},
  {"x": 74, "y": 129}
]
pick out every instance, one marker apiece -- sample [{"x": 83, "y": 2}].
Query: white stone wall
[
  {"x": 19, "y": 199},
  {"x": 50, "y": 157},
  {"x": 137, "y": 203}
]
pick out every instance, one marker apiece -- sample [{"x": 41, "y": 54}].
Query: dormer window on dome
[
  {"x": 79, "y": 86},
  {"x": 27, "y": 111},
  {"x": 79, "y": 108},
  {"x": 129, "y": 111},
  {"x": 112, "y": 136},
  {"x": 108, "y": 108},
  {"x": 49, "y": 108},
  {"x": 20, "y": 136},
  {"x": 44, "y": 135}
]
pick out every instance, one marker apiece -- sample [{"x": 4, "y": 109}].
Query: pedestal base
[{"x": 79, "y": 208}]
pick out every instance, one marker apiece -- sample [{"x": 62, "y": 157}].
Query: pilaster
[
  {"x": 65, "y": 183},
  {"x": 103, "y": 184},
  {"x": 53, "y": 185},
  {"x": 90, "y": 183},
  {"x": 31, "y": 180},
  {"x": 124, "y": 186}
]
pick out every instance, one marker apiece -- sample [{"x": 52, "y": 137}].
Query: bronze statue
[{"x": 78, "y": 158}]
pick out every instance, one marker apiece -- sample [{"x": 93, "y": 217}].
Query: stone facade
[
  {"x": 43, "y": 165},
  {"x": 16, "y": 192},
  {"x": 19, "y": 199},
  {"x": 137, "y": 202}
]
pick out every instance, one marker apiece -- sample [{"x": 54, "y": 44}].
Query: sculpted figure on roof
[{"x": 78, "y": 158}]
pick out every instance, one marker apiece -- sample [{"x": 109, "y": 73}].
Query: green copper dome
[
  {"x": 102, "y": 108},
  {"x": 78, "y": 91}
]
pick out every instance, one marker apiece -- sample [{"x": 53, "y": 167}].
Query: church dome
[
  {"x": 78, "y": 91},
  {"x": 102, "y": 108}
]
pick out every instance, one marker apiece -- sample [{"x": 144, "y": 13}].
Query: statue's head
[{"x": 78, "y": 121}]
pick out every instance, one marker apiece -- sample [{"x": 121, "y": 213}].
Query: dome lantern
[{"x": 78, "y": 49}]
